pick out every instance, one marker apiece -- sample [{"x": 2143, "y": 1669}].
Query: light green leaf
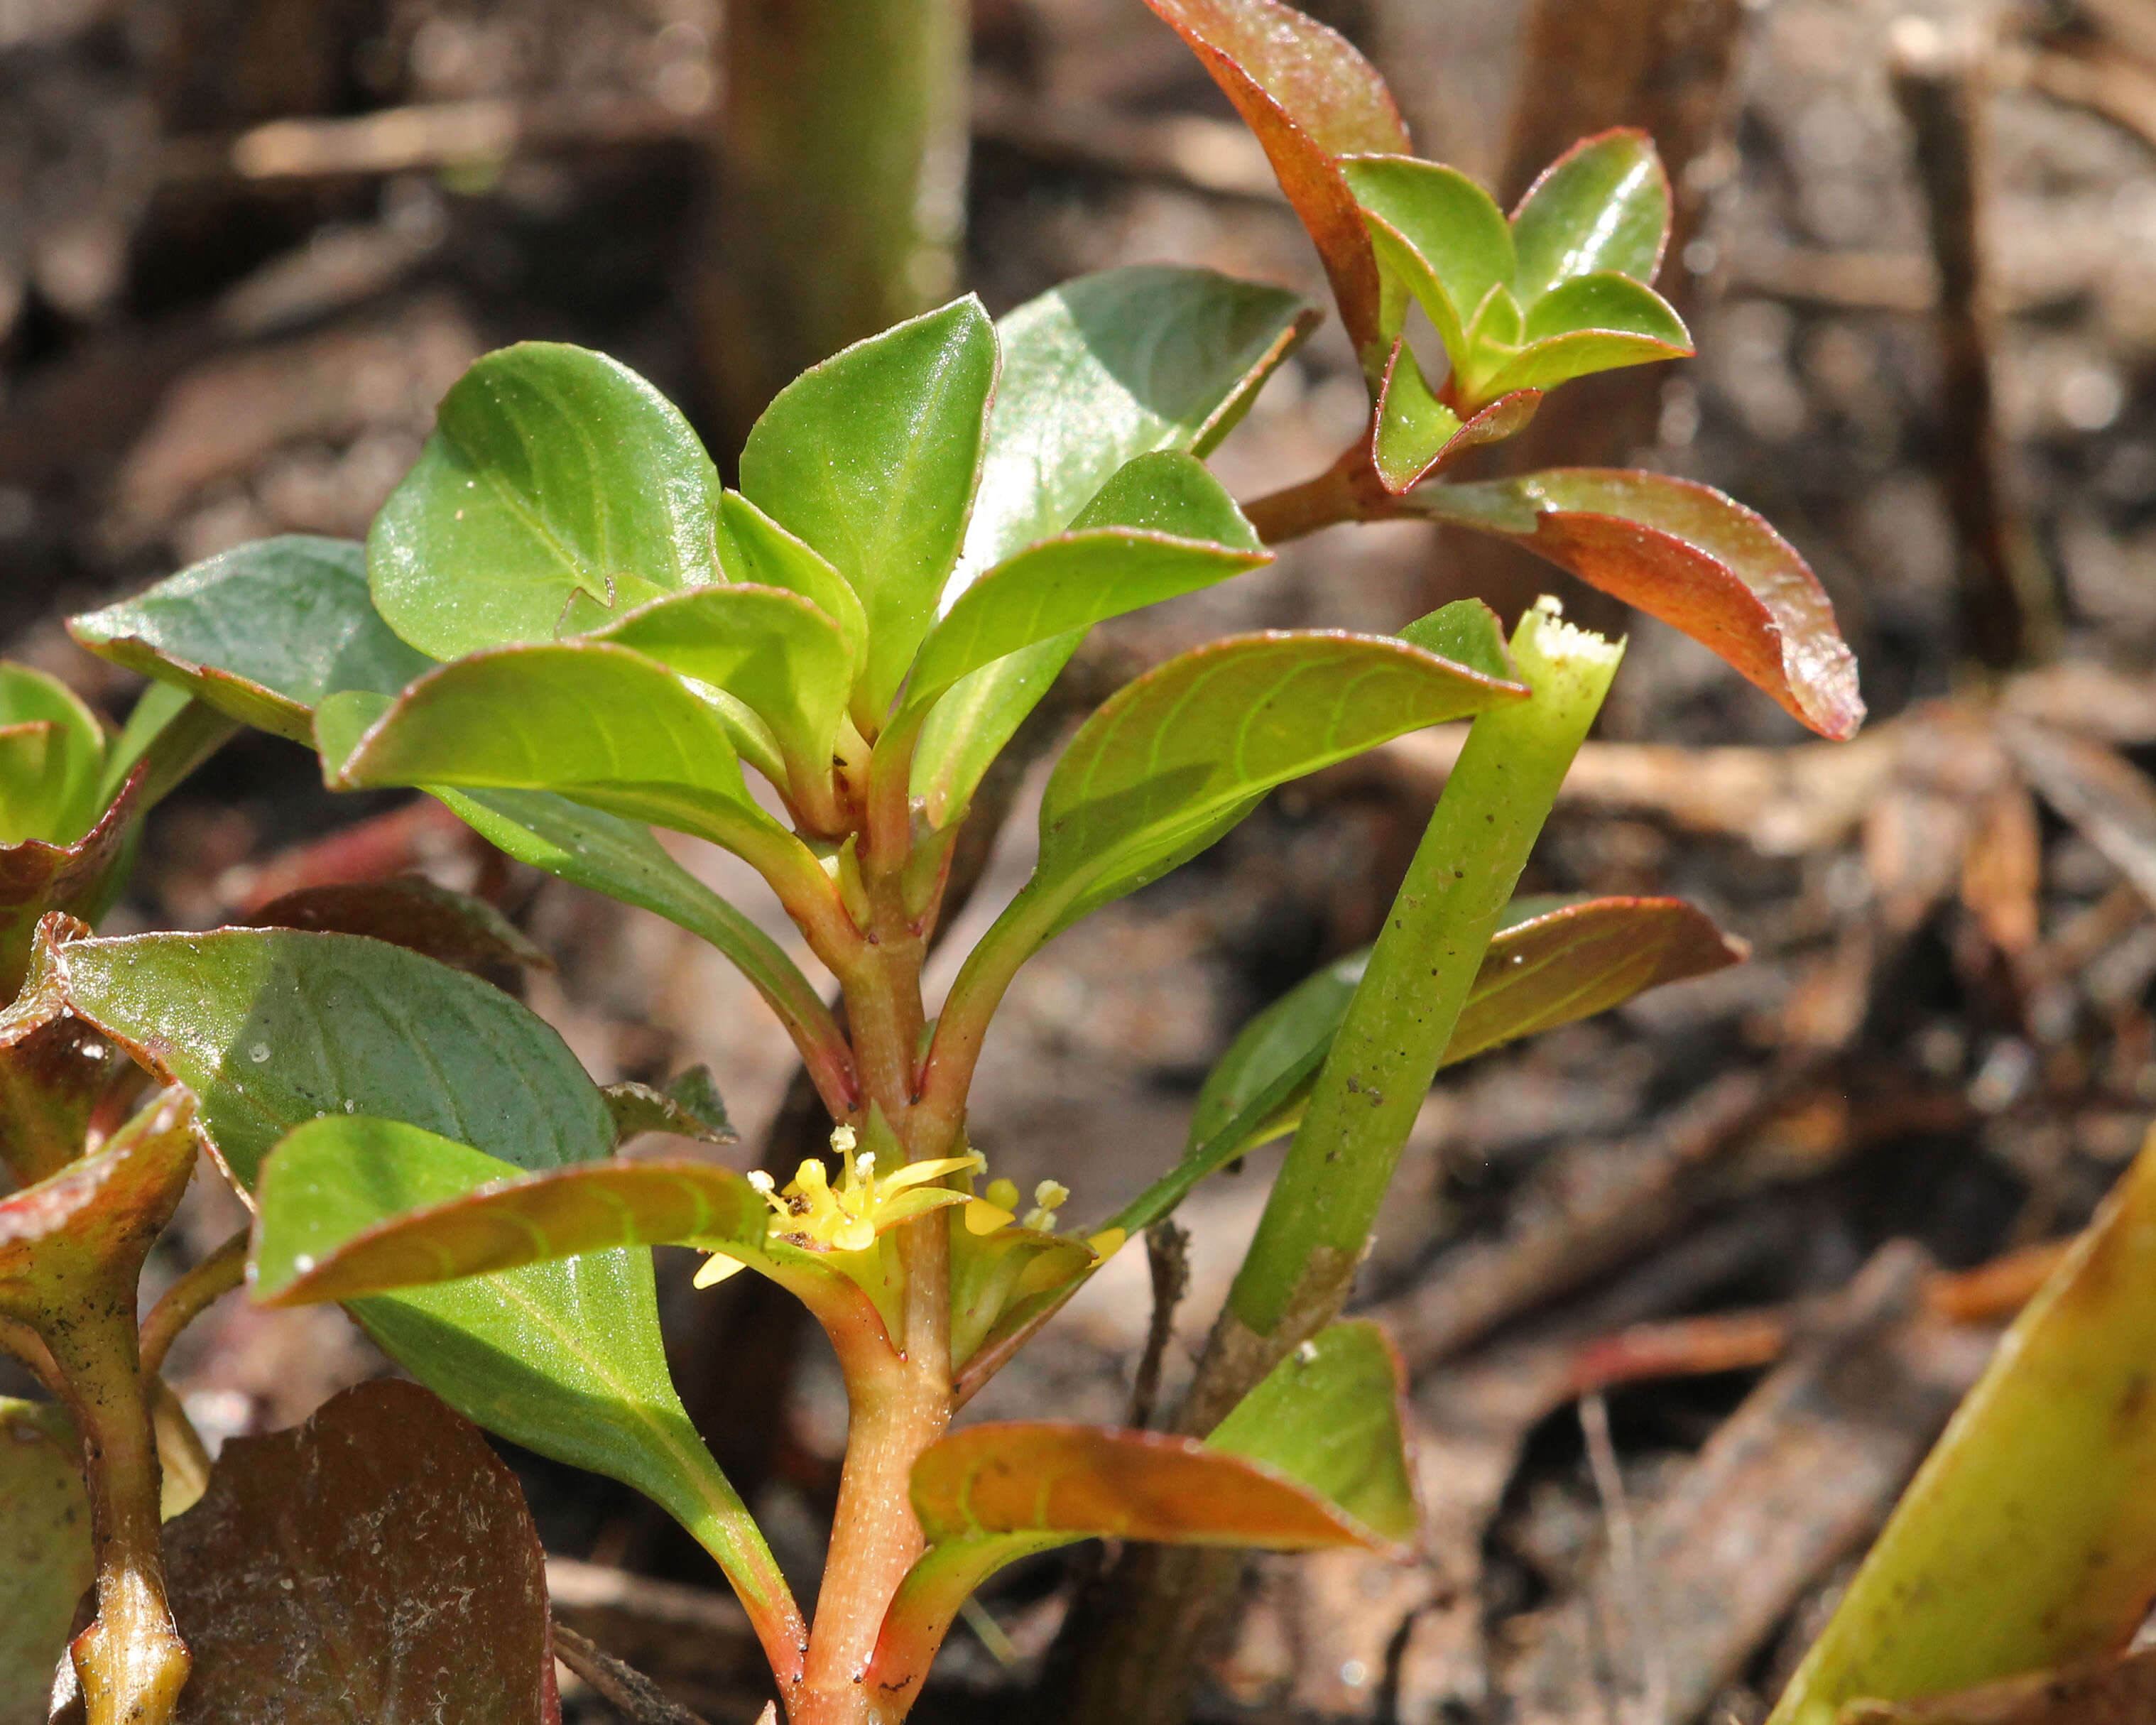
[
  {"x": 261, "y": 632},
  {"x": 552, "y": 471},
  {"x": 1438, "y": 235},
  {"x": 871, "y": 458},
  {"x": 1329, "y": 1417},
  {"x": 2028, "y": 1538},
  {"x": 1591, "y": 323},
  {"x": 1414, "y": 429},
  {"x": 755, "y": 548},
  {"x": 52, "y": 759},
  {"x": 1604, "y": 204}
]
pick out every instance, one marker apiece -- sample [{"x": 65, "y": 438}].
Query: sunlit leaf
[
  {"x": 872, "y": 458},
  {"x": 376, "y": 1563},
  {"x": 1688, "y": 554},
  {"x": 261, "y": 632},
  {"x": 1552, "y": 963},
  {"x": 44, "y": 1539},
  {"x": 1310, "y": 98},
  {"x": 1591, "y": 323},
  {"x": 450, "y": 928},
  {"x": 2028, "y": 1538},
  {"x": 52, "y": 758},
  {"x": 553, "y": 472},
  {"x": 353, "y": 1207},
  {"x": 1604, "y": 204},
  {"x": 1438, "y": 236},
  {"x": 1329, "y": 1417},
  {"x": 753, "y": 547}
]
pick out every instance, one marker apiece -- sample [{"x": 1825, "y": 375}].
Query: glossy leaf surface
[
  {"x": 262, "y": 632},
  {"x": 553, "y": 472},
  {"x": 754, "y": 548},
  {"x": 1552, "y": 963},
  {"x": 376, "y": 1563},
  {"x": 770, "y": 648},
  {"x": 1330, "y": 1417},
  {"x": 1413, "y": 429},
  {"x": 596, "y": 722},
  {"x": 355, "y": 1207},
  {"x": 1604, "y": 204},
  {"x": 1686, "y": 554},
  {"x": 1175, "y": 758},
  {"x": 1109, "y": 368},
  {"x": 52, "y": 759},
  {"x": 44, "y": 1552},
  {"x": 53, "y": 1067},
  {"x": 270, "y": 1027},
  {"x": 1440, "y": 235},
  {"x": 2028, "y": 1538},
  {"x": 451, "y": 928},
  {"x": 1592, "y": 323},
  {"x": 1310, "y": 98},
  {"x": 872, "y": 458},
  {"x": 1074, "y": 1481}
]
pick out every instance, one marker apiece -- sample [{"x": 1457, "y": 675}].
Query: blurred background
[{"x": 245, "y": 245}]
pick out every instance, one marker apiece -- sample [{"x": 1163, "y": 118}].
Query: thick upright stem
[{"x": 130, "y": 1663}]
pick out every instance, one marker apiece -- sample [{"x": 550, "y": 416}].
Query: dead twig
[
  {"x": 1168, "y": 1257},
  {"x": 623, "y": 1687}
]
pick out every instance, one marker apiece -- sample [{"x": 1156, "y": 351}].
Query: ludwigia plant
[{"x": 564, "y": 627}]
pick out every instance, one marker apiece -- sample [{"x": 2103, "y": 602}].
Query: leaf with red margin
[
  {"x": 451, "y": 928},
  {"x": 1686, "y": 554},
  {"x": 1414, "y": 436},
  {"x": 1310, "y": 98},
  {"x": 53, "y": 1067},
  {"x": 81, "y": 879},
  {"x": 377, "y": 1563}
]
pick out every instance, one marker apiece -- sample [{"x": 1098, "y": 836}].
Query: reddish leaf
[
  {"x": 1686, "y": 554},
  {"x": 80, "y": 879},
  {"x": 54, "y": 1066},
  {"x": 376, "y": 1563},
  {"x": 1073, "y": 1480},
  {"x": 450, "y": 927},
  {"x": 1310, "y": 97},
  {"x": 45, "y": 1551}
]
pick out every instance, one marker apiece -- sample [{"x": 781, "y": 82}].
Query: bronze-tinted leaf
[
  {"x": 1685, "y": 553},
  {"x": 54, "y": 1066},
  {"x": 80, "y": 879},
  {"x": 376, "y": 1563},
  {"x": 452, "y": 927},
  {"x": 1310, "y": 98},
  {"x": 44, "y": 1552}
]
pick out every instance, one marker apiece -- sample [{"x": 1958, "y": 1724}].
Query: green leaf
[
  {"x": 452, "y": 928},
  {"x": 754, "y": 548},
  {"x": 262, "y": 632},
  {"x": 1604, "y": 204},
  {"x": 351, "y": 1207},
  {"x": 1688, "y": 554},
  {"x": 271, "y": 1027},
  {"x": 1069, "y": 583},
  {"x": 1111, "y": 367},
  {"x": 376, "y": 1563},
  {"x": 52, "y": 756},
  {"x": 690, "y": 1106},
  {"x": 1551, "y": 963},
  {"x": 1591, "y": 323},
  {"x": 552, "y": 471},
  {"x": 771, "y": 649},
  {"x": 44, "y": 1530},
  {"x": 1466, "y": 632},
  {"x": 1310, "y": 98},
  {"x": 1174, "y": 759},
  {"x": 872, "y": 458},
  {"x": 2028, "y": 1538},
  {"x": 1439, "y": 235},
  {"x": 1413, "y": 429},
  {"x": 590, "y": 720},
  {"x": 1331, "y": 1417}
]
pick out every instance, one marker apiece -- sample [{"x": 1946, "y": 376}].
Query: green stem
[
  {"x": 1327, "y": 1198},
  {"x": 217, "y": 1275}
]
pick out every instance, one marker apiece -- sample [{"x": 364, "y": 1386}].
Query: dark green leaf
[
  {"x": 1686, "y": 554},
  {"x": 1604, "y": 204},
  {"x": 270, "y": 1027},
  {"x": 872, "y": 458},
  {"x": 1440, "y": 237},
  {"x": 44, "y": 1534},
  {"x": 262, "y": 632},
  {"x": 1330, "y": 1417},
  {"x": 552, "y": 471},
  {"x": 2028, "y": 1538},
  {"x": 376, "y": 1563},
  {"x": 690, "y": 1106}
]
